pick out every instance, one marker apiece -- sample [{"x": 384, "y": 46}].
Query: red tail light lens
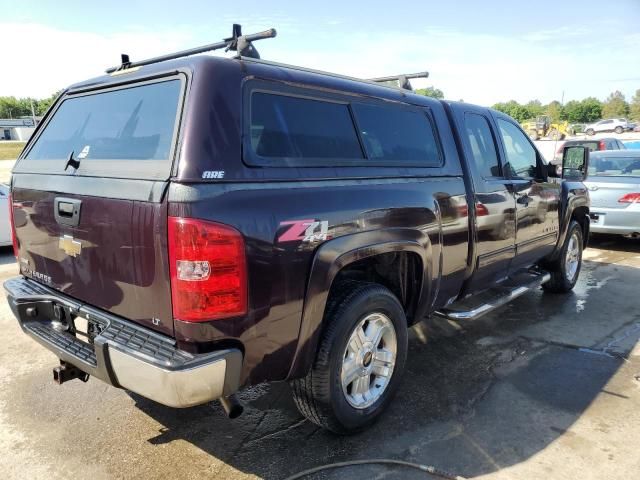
[
  {"x": 601, "y": 145},
  {"x": 630, "y": 198},
  {"x": 208, "y": 270},
  {"x": 14, "y": 237},
  {"x": 481, "y": 210}
]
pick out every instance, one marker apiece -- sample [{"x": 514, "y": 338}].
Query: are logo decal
[
  {"x": 213, "y": 174},
  {"x": 308, "y": 231}
]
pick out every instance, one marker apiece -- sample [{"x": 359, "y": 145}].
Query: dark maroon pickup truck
[{"x": 191, "y": 226}]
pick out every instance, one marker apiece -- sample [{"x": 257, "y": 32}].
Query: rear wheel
[
  {"x": 590, "y": 132},
  {"x": 533, "y": 134},
  {"x": 566, "y": 268},
  {"x": 359, "y": 362}
]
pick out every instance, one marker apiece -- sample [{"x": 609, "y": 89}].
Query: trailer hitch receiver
[{"x": 65, "y": 372}]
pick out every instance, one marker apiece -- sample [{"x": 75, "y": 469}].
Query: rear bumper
[
  {"x": 124, "y": 354},
  {"x": 615, "y": 220}
]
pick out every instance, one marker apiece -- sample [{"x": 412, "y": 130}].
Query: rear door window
[
  {"x": 126, "y": 132},
  {"x": 397, "y": 135},
  {"x": 482, "y": 145}
]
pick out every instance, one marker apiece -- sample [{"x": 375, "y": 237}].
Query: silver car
[
  {"x": 617, "y": 125},
  {"x": 614, "y": 188}
]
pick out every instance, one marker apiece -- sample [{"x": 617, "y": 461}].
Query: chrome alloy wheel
[
  {"x": 369, "y": 360},
  {"x": 572, "y": 257}
]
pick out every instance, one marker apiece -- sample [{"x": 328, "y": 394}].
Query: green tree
[
  {"x": 41, "y": 106},
  {"x": 431, "y": 92},
  {"x": 518, "y": 112},
  {"x": 615, "y": 106},
  {"x": 592, "y": 109},
  {"x": 535, "y": 108},
  {"x": 573, "y": 111},
  {"x": 583, "y": 111},
  {"x": 554, "y": 110},
  {"x": 634, "y": 108}
]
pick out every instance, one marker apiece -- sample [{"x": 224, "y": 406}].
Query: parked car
[
  {"x": 592, "y": 145},
  {"x": 614, "y": 188},
  {"x": 618, "y": 125},
  {"x": 5, "y": 224},
  {"x": 188, "y": 227}
]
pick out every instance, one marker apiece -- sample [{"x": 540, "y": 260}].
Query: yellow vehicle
[{"x": 543, "y": 127}]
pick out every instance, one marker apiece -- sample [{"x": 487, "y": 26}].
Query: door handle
[
  {"x": 524, "y": 199},
  {"x": 67, "y": 211}
]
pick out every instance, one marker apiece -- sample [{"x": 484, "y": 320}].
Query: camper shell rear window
[{"x": 123, "y": 132}]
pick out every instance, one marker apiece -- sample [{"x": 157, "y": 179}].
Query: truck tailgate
[{"x": 115, "y": 258}]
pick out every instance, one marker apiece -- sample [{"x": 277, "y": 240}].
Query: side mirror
[
  {"x": 575, "y": 162},
  {"x": 553, "y": 170}
]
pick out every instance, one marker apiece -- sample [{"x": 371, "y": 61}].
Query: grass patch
[{"x": 10, "y": 150}]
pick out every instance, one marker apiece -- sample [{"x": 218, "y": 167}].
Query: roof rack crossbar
[
  {"x": 236, "y": 43},
  {"x": 402, "y": 79}
]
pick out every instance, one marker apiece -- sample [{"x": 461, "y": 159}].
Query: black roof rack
[
  {"x": 402, "y": 79},
  {"x": 236, "y": 43}
]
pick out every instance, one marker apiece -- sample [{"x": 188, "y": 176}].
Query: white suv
[{"x": 617, "y": 125}]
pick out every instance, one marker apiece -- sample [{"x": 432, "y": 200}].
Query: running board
[{"x": 471, "y": 309}]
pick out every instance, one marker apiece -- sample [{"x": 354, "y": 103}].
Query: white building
[{"x": 16, "y": 129}]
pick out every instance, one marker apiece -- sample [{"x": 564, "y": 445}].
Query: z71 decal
[{"x": 308, "y": 231}]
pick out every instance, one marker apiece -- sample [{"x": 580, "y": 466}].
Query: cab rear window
[{"x": 129, "y": 131}]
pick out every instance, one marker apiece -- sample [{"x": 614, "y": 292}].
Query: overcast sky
[{"x": 480, "y": 51}]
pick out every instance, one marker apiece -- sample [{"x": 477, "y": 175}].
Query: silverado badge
[{"x": 70, "y": 246}]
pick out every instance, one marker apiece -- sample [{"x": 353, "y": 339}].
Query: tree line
[
  {"x": 586, "y": 110},
  {"x": 12, "y": 107}
]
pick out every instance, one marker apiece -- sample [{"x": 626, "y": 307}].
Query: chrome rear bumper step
[{"x": 476, "y": 306}]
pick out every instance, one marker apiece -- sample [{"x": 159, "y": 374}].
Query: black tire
[
  {"x": 562, "y": 281},
  {"x": 590, "y": 132},
  {"x": 618, "y": 129},
  {"x": 319, "y": 395},
  {"x": 533, "y": 134}
]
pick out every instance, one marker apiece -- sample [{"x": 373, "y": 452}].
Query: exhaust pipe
[{"x": 232, "y": 406}]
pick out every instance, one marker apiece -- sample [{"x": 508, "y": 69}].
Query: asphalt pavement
[{"x": 547, "y": 387}]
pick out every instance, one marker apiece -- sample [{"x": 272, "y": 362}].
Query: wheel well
[
  {"x": 581, "y": 215},
  {"x": 400, "y": 272}
]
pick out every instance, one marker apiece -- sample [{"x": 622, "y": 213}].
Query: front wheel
[
  {"x": 619, "y": 129},
  {"x": 590, "y": 132},
  {"x": 359, "y": 362},
  {"x": 566, "y": 268}
]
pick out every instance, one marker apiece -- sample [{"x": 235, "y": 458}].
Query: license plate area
[
  {"x": 85, "y": 330},
  {"x": 81, "y": 328}
]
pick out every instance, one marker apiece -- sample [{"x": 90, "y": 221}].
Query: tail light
[
  {"x": 208, "y": 270},
  {"x": 630, "y": 198},
  {"x": 14, "y": 237},
  {"x": 601, "y": 145},
  {"x": 481, "y": 210}
]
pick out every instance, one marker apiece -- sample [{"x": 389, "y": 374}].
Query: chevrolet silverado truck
[{"x": 190, "y": 225}]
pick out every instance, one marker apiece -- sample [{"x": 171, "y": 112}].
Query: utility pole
[{"x": 33, "y": 112}]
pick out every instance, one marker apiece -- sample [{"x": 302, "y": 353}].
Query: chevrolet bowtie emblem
[{"x": 70, "y": 246}]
